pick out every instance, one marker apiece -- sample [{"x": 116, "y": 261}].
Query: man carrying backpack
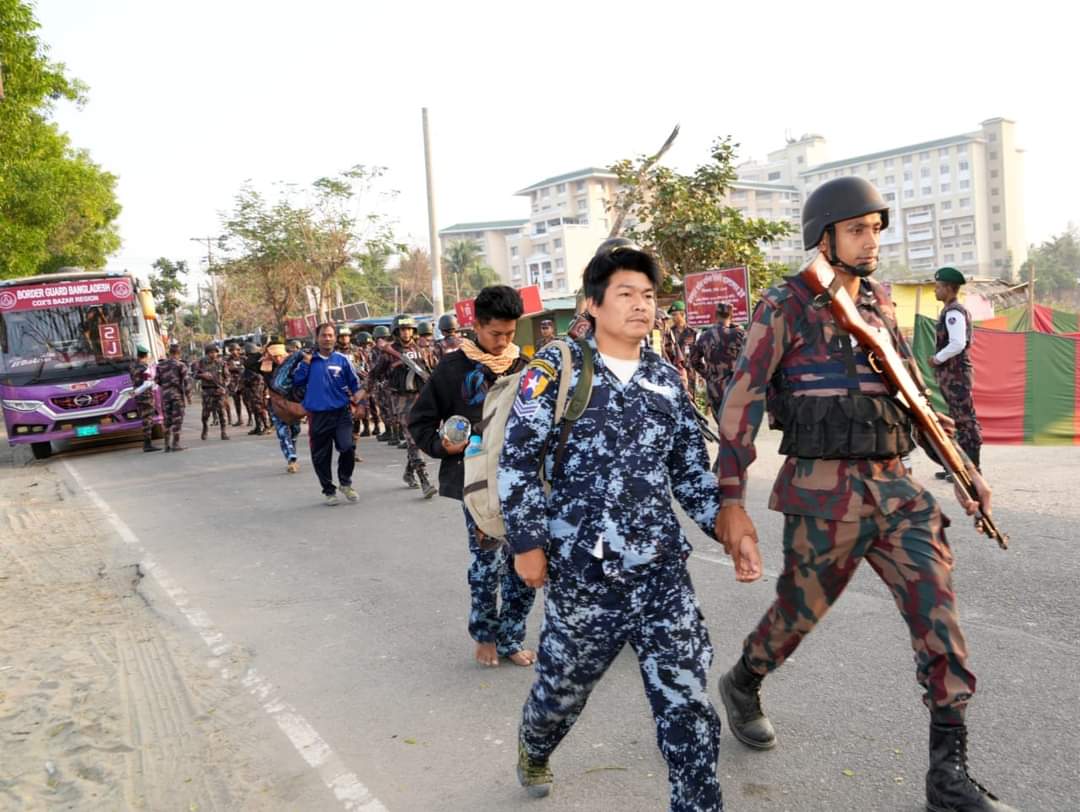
[
  {"x": 458, "y": 386},
  {"x": 606, "y": 539}
]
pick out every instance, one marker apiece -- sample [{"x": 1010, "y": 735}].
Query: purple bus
[{"x": 67, "y": 341}]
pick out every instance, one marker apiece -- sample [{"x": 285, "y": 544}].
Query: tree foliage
[
  {"x": 168, "y": 287},
  {"x": 686, "y": 221},
  {"x": 57, "y": 207},
  {"x": 1057, "y": 265}
]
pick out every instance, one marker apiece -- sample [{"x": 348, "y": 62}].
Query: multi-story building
[
  {"x": 954, "y": 201},
  {"x": 489, "y": 238},
  {"x": 772, "y": 201},
  {"x": 568, "y": 218}
]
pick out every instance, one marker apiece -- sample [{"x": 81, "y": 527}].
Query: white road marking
[{"x": 345, "y": 785}]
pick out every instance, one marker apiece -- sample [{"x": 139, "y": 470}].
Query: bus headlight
[{"x": 23, "y": 405}]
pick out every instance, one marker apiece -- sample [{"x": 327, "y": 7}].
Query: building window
[
  {"x": 558, "y": 244},
  {"x": 558, "y": 264},
  {"x": 513, "y": 251},
  {"x": 963, "y": 166},
  {"x": 950, "y": 257},
  {"x": 944, "y": 169},
  {"x": 545, "y": 192},
  {"x": 995, "y": 209},
  {"x": 993, "y": 137},
  {"x": 909, "y": 193},
  {"x": 549, "y": 284},
  {"x": 945, "y": 188},
  {"x": 924, "y": 172},
  {"x": 946, "y": 205},
  {"x": 967, "y": 256},
  {"x": 965, "y": 202},
  {"x": 542, "y": 248},
  {"x": 923, "y": 156},
  {"x": 943, "y": 151},
  {"x": 965, "y": 184},
  {"x": 580, "y": 186},
  {"x": 774, "y": 176},
  {"x": 997, "y": 246},
  {"x": 961, "y": 149},
  {"x": 799, "y": 160},
  {"x": 993, "y": 173},
  {"x": 582, "y": 204},
  {"x": 995, "y": 191},
  {"x": 890, "y": 180},
  {"x": 888, "y": 162},
  {"x": 907, "y": 176},
  {"x": 907, "y": 160},
  {"x": 996, "y": 227},
  {"x": 926, "y": 190},
  {"x": 890, "y": 197},
  {"x": 560, "y": 284},
  {"x": 560, "y": 189},
  {"x": 540, "y": 228}
]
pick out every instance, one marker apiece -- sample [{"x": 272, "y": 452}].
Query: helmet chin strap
[{"x": 861, "y": 271}]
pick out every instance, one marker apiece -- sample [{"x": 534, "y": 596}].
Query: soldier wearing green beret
[
  {"x": 952, "y": 364},
  {"x": 679, "y": 340}
]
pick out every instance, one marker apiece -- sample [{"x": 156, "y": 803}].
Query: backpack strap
[{"x": 580, "y": 402}]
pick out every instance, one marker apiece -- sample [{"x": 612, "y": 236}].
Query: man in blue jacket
[{"x": 331, "y": 387}]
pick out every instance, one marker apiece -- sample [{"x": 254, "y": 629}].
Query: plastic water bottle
[
  {"x": 455, "y": 429},
  {"x": 474, "y": 445}
]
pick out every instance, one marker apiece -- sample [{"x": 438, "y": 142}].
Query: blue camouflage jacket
[{"x": 634, "y": 446}]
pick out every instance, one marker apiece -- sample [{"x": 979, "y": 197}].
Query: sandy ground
[{"x": 105, "y": 703}]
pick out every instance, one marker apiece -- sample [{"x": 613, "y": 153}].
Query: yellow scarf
[{"x": 496, "y": 363}]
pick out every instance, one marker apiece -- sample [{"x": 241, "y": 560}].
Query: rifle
[
  {"x": 886, "y": 361},
  {"x": 703, "y": 424},
  {"x": 422, "y": 373}
]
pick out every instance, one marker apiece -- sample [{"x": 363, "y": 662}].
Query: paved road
[{"x": 356, "y": 616}]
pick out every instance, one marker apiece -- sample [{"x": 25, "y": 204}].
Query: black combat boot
[
  {"x": 205, "y": 430},
  {"x": 365, "y": 431},
  {"x": 386, "y": 435},
  {"x": 148, "y": 446},
  {"x": 949, "y": 788},
  {"x": 740, "y": 691},
  {"x": 224, "y": 436}
]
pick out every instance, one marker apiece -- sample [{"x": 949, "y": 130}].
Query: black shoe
[
  {"x": 949, "y": 788},
  {"x": 740, "y": 691},
  {"x": 147, "y": 446},
  {"x": 205, "y": 431},
  {"x": 384, "y": 437}
]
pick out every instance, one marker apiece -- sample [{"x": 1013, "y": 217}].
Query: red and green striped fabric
[
  {"x": 1047, "y": 320},
  {"x": 1026, "y": 385}
]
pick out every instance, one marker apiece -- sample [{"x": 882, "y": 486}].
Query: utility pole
[
  {"x": 433, "y": 235},
  {"x": 1031, "y": 293},
  {"x": 213, "y": 282}
]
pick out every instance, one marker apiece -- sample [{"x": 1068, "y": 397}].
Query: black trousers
[{"x": 326, "y": 430}]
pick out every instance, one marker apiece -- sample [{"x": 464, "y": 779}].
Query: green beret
[
  {"x": 141, "y": 350},
  {"x": 677, "y": 307},
  {"x": 950, "y": 275}
]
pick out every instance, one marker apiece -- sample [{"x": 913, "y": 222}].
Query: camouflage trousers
[
  {"x": 386, "y": 406},
  {"x": 254, "y": 392},
  {"x": 172, "y": 404},
  {"x": 910, "y": 553},
  {"x": 491, "y": 620},
  {"x": 146, "y": 416},
  {"x": 587, "y": 621},
  {"x": 956, "y": 386},
  {"x": 213, "y": 403},
  {"x": 402, "y": 405}
]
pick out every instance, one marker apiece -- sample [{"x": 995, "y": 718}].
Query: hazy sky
[{"x": 188, "y": 100}]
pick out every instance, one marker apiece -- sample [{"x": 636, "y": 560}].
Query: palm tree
[{"x": 459, "y": 259}]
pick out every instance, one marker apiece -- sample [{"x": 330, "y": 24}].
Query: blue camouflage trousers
[
  {"x": 489, "y": 621},
  {"x": 587, "y": 620},
  {"x": 286, "y": 436}
]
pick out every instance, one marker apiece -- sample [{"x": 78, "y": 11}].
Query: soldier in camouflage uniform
[
  {"x": 607, "y": 540},
  {"x": 234, "y": 375},
  {"x": 844, "y": 491},
  {"x": 362, "y": 367},
  {"x": 547, "y": 334},
  {"x": 425, "y": 338},
  {"x": 143, "y": 391},
  {"x": 380, "y": 387},
  {"x": 172, "y": 378},
  {"x": 253, "y": 389},
  {"x": 679, "y": 341},
  {"x": 714, "y": 355},
  {"x": 405, "y": 385},
  {"x": 450, "y": 341},
  {"x": 211, "y": 374},
  {"x": 952, "y": 364}
]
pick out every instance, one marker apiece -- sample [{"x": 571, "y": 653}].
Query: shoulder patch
[
  {"x": 544, "y": 367},
  {"x": 533, "y": 383}
]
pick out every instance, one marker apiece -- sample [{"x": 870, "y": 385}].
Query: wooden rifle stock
[{"x": 884, "y": 359}]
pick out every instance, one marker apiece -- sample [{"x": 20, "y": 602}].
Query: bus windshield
[{"x": 62, "y": 343}]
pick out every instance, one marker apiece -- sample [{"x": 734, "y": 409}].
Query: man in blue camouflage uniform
[
  {"x": 607, "y": 540},
  {"x": 843, "y": 488}
]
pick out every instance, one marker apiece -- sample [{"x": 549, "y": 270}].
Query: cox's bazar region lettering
[{"x": 61, "y": 301}]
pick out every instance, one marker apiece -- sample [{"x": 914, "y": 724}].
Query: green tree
[
  {"x": 1057, "y": 265},
  {"x": 168, "y": 287},
  {"x": 57, "y": 207},
  {"x": 460, "y": 257},
  {"x": 686, "y": 222}
]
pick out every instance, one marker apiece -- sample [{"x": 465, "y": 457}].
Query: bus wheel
[{"x": 41, "y": 450}]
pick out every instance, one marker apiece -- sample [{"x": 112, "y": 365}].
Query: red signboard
[
  {"x": 72, "y": 293},
  {"x": 704, "y": 291},
  {"x": 466, "y": 312},
  {"x": 296, "y": 328},
  {"x": 110, "y": 340},
  {"x": 530, "y": 297}
]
